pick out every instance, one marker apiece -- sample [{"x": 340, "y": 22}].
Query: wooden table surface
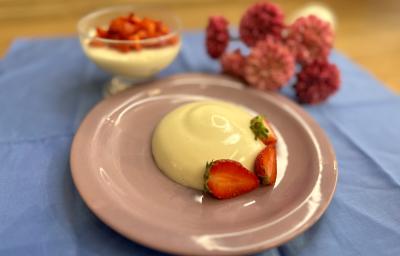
[{"x": 368, "y": 31}]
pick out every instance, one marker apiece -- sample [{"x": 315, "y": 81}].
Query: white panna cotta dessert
[
  {"x": 196, "y": 133},
  {"x": 133, "y": 64}
]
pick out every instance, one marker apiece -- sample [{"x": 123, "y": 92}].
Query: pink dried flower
[
  {"x": 259, "y": 21},
  {"x": 269, "y": 65},
  {"x": 217, "y": 36},
  {"x": 232, "y": 63},
  {"x": 309, "y": 39},
  {"x": 317, "y": 82}
]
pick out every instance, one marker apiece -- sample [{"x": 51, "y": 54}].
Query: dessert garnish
[
  {"x": 265, "y": 165},
  {"x": 275, "y": 49},
  {"x": 227, "y": 178},
  {"x": 262, "y": 130},
  {"x": 134, "y": 29}
]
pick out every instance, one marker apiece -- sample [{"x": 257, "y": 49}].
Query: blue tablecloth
[{"x": 48, "y": 85}]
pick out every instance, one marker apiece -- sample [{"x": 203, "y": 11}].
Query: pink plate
[{"x": 113, "y": 169}]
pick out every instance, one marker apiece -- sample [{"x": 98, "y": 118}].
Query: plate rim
[{"x": 312, "y": 124}]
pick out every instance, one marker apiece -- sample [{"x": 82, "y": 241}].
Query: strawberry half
[
  {"x": 227, "y": 178},
  {"x": 265, "y": 165},
  {"x": 262, "y": 130}
]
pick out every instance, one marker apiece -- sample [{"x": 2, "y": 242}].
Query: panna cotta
[
  {"x": 132, "y": 46},
  {"x": 132, "y": 64},
  {"x": 196, "y": 133}
]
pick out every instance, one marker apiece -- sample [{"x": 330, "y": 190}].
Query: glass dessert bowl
[{"x": 131, "y": 42}]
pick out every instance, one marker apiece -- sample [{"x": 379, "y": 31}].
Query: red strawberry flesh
[
  {"x": 262, "y": 130},
  {"x": 265, "y": 165},
  {"x": 227, "y": 178}
]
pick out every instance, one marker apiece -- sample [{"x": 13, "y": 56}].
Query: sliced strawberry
[
  {"x": 265, "y": 165},
  {"x": 130, "y": 26},
  {"x": 135, "y": 19},
  {"x": 96, "y": 43},
  {"x": 116, "y": 26},
  {"x": 101, "y": 33},
  {"x": 227, "y": 178},
  {"x": 128, "y": 29},
  {"x": 262, "y": 130},
  {"x": 149, "y": 26}
]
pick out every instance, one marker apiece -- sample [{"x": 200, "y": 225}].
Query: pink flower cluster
[
  {"x": 217, "y": 36},
  {"x": 275, "y": 48},
  {"x": 316, "y": 82}
]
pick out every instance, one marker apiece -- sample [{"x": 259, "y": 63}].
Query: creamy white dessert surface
[
  {"x": 193, "y": 134},
  {"x": 133, "y": 64}
]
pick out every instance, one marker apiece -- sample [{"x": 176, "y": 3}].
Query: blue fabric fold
[{"x": 48, "y": 85}]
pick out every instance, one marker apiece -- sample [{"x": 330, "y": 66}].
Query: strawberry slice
[
  {"x": 116, "y": 26},
  {"x": 262, "y": 130},
  {"x": 101, "y": 33},
  {"x": 265, "y": 165},
  {"x": 227, "y": 178}
]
